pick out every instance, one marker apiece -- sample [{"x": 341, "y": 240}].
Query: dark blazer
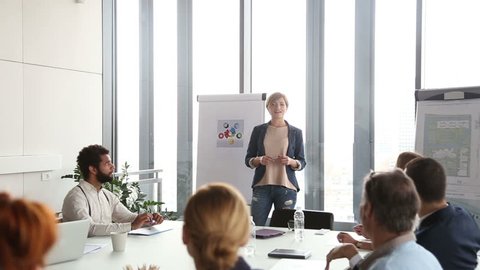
[
  {"x": 452, "y": 235},
  {"x": 295, "y": 150},
  {"x": 241, "y": 264}
]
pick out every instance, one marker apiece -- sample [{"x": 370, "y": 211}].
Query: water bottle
[
  {"x": 299, "y": 220},
  {"x": 250, "y": 247}
]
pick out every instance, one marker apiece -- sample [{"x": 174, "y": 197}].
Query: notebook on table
[
  {"x": 267, "y": 233},
  {"x": 151, "y": 230},
  {"x": 70, "y": 242}
]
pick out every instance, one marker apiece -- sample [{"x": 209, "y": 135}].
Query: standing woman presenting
[{"x": 275, "y": 151}]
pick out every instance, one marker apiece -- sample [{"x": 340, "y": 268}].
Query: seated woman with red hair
[{"x": 28, "y": 229}]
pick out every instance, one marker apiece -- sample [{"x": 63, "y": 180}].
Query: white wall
[{"x": 50, "y": 88}]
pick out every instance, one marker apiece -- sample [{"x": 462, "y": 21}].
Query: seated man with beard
[{"x": 88, "y": 200}]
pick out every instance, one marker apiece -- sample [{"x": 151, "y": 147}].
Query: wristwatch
[{"x": 358, "y": 244}]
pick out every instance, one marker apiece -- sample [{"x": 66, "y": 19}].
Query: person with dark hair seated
[
  {"x": 446, "y": 230},
  {"x": 89, "y": 200},
  {"x": 405, "y": 157}
]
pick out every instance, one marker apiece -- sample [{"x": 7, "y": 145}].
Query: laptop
[{"x": 70, "y": 243}]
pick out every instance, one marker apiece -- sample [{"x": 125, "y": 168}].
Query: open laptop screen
[{"x": 70, "y": 243}]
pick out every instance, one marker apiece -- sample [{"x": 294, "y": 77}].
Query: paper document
[
  {"x": 322, "y": 232},
  {"x": 92, "y": 248},
  {"x": 151, "y": 230},
  {"x": 288, "y": 264}
]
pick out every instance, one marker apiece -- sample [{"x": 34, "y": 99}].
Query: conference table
[{"x": 167, "y": 251}]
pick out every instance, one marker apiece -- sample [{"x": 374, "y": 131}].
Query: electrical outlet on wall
[{"x": 46, "y": 176}]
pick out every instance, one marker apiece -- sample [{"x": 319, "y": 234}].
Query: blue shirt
[
  {"x": 401, "y": 252},
  {"x": 408, "y": 255}
]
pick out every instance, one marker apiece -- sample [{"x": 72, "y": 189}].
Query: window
[
  {"x": 127, "y": 83},
  {"x": 451, "y": 43},
  {"x": 216, "y": 42},
  {"x": 165, "y": 97},
  {"x": 339, "y": 98},
  {"x": 279, "y": 53},
  {"x": 394, "y": 80},
  {"x": 215, "y": 47}
]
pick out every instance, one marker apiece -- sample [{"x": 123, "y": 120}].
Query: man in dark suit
[{"x": 448, "y": 231}]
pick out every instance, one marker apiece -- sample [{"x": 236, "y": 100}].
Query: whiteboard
[
  {"x": 224, "y": 128},
  {"x": 449, "y": 132}
]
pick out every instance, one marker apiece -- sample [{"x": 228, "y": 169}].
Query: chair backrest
[{"x": 313, "y": 219}]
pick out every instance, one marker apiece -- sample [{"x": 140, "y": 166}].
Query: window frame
[{"x": 363, "y": 149}]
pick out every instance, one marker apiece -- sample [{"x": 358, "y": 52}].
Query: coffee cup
[{"x": 119, "y": 240}]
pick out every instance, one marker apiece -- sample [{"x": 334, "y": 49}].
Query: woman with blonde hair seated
[
  {"x": 28, "y": 229},
  {"x": 216, "y": 226}
]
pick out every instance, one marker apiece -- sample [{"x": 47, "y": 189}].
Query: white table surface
[{"x": 168, "y": 251}]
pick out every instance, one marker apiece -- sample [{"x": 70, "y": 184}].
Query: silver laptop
[{"x": 70, "y": 243}]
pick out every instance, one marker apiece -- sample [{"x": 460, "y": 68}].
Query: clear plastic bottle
[
  {"x": 299, "y": 220},
  {"x": 250, "y": 247}
]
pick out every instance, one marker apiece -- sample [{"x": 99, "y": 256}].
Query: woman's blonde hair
[
  {"x": 217, "y": 222},
  {"x": 275, "y": 96},
  {"x": 28, "y": 229}
]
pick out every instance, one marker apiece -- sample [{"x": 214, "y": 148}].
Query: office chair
[{"x": 313, "y": 219}]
